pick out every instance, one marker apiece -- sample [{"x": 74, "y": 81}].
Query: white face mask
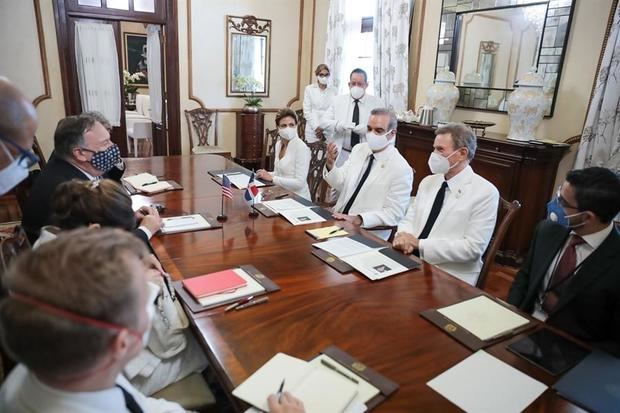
[
  {"x": 377, "y": 142},
  {"x": 323, "y": 79},
  {"x": 439, "y": 164},
  {"x": 288, "y": 133},
  {"x": 13, "y": 174},
  {"x": 357, "y": 92}
]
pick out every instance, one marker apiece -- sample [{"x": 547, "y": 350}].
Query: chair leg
[{"x": 135, "y": 148}]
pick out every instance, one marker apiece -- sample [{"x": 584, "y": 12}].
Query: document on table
[
  {"x": 483, "y": 317},
  {"x": 240, "y": 179},
  {"x": 184, "y": 223},
  {"x": 343, "y": 247},
  {"x": 252, "y": 287},
  {"x": 302, "y": 216},
  {"x": 374, "y": 265},
  {"x": 319, "y": 388},
  {"x": 286, "y": 204},
  {"x": 483, "y": 383},
  {"x": 148, "y": 183}
]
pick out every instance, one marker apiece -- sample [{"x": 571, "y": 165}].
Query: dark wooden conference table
[{"x": 376, "y": 322}]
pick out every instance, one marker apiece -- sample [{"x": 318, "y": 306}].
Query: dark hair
[
  {"x": 286, "y": 113},
  {"x": 320, "y": 67},
  {"x": 70, "y": 133},
  {"x": 596, "y": 190},
  {"x": 77, "y": 203},
  {"x": 462, "y": 137},
  {"x": 393, "y": 123},
  {"x": 361, "y": 72}
]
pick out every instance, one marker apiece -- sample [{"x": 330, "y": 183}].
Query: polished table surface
[{"x": 376, "y": 322}]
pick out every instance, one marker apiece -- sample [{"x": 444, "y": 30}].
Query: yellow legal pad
[{"x": 327, "y": 232}]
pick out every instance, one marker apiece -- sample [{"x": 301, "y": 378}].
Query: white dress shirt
[
  {"x": 384, "y": 197},
  {"x": 291, "y": 172},
  {"x": 22, "y": 392},
  {"x": 340, "y": 118},
  {"x": 316, "y": 106},
  {"x": 582, "y": 251},
  {"x": 464, "y": 226}
]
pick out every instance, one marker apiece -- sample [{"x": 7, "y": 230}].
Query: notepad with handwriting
[
  {"x": 483, "y": 317},
  {"x": 184, "y": 223},
  {"x": 214, "y": 283}
]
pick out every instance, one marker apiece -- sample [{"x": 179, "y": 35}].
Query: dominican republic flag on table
[{"x": 251, "y": 191}]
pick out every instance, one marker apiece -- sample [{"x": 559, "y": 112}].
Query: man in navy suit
[{"x": 571, "y": 277}]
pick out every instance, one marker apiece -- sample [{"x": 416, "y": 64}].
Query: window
[{"x": 359, "y": 40}]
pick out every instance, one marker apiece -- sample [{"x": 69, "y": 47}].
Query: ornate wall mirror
[
  {"x": 248, "y": 50},
  {"x": 490, "y": 44}
]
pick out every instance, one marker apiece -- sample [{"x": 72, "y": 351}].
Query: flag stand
[{"x": 222, "y": 216}]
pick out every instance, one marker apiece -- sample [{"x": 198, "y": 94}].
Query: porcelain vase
[
  {"x": 526, "y": 107},
  {"x": 443, "y": 95}
]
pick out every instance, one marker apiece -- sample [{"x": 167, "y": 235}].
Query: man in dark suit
[
  {"x": 82, "y": 150},
  {"x": 571, "y": 277}
]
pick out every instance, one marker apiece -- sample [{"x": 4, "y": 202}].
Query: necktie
[
  {"x": 435, "y": 209},
  {"x": 347, "y": 207},
  {"x": 131, "y": 403},
  {"x": 355, "y": 138},
  {"x": 565, "y": 268}
]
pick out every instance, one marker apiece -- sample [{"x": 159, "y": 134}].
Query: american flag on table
[
  {"x": 251, "y": 191},
  {"x": 226, "y": 188}
]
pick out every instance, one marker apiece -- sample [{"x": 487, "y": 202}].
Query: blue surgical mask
[
  {"x": 556, "y": 213},
  {"x": 13, "y": 174}
]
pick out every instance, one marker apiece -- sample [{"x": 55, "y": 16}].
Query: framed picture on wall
[{"x": 135, "y": 56}]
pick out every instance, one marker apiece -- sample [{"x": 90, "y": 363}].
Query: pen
[
  {"x": 279, "y": 393},
  {"x": 238, "y": 303},
  {"x": 336, "y": 230},
  {"x": 252, "y": 303},
  {"x": 332, "y": 367},
  {"x": 150, "y": 183},
  {"x": 281, "y": 196}
]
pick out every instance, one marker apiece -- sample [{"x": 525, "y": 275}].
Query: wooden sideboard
[
  {"x": 520, "y": 171},
  {"x": 250, "y": 129}
]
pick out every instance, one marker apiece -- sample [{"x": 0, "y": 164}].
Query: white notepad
[
  {"x": 184, "y": 223},
  {"x": 302, "y": 216},
  {"x": 320, "y": 389},
  {"x": 251, "y": 287},
  {"x": 483, "y": 384},
  {"x": 343, "y": 247},
  {"x": 147, "y": 183},
  {"x": 241, "y": 180},
  {"x": 374, "y": 265},
  {"x": 279, "y": 205},
  {"x": 483, "y": 317}
]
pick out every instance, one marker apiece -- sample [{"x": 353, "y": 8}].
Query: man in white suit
[
  {"x": 452, "y": 218},
  {"x": 375, "y": 182},
  {"x": 347, "y": 115}
]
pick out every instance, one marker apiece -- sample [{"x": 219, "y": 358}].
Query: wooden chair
[
  {"x": 318, "y": 157},
  {"x": 505, "y": 216},
  {"x": 301, "y": 124},
  {"x": 269, "y": 149},
  {"x": 199, "y": 121},
  {"x": 36, "y": 148}
]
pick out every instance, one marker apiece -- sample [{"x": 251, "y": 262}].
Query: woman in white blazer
[
  {"x": 292, "y": 157},
  {"x": 317, "y": 100}
]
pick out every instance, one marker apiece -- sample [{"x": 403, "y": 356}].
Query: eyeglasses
[
  {"x": 26, "y": 158},
  {"x": 563, "y": 203}
]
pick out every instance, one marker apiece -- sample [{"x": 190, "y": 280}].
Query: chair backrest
[
  {"x": 506, "y": 214},
  {"x": 269, "y": 149},
  {"x": 36, "y": 148},
  {"x": 199, "y": 121},
  {"x": 318, "y": 157},
  {"x": 24, "y": 188},
  {"x": 301, "y": 124}
]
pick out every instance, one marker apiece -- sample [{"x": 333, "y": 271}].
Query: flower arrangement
[{"x": 129, "y": 79}]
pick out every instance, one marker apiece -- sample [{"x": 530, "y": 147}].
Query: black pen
[
  {"x": 336, "y": 230},
  {"x": 279, "y": 393},
  {"x": 150, "y": 183},
  {"x": 281, "y": 196},
  {"x": 332, "y": 367}
]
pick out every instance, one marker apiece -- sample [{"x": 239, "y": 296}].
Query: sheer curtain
[
  {"x": 600, "y": 140},
  {"x": 98, "y": 70},
  {"x": 153, "y": 62},
  {"x": 391, "y": 57}
]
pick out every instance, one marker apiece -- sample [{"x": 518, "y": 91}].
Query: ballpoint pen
[
  {"x": 279, "y": 393},
  {"x": 252, "y": 303},
  {"x": 332, "y": 367},
  {"x": 281, "y": 196},
  {"x": 150, "y": 183},
  {"x": 238, "y": 303},
  {"x": 336, "y": 230}
]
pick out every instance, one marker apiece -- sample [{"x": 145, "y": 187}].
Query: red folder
[{"x": 214, "y": 283}]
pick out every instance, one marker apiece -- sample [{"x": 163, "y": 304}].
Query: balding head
[{"x": 18, "y": 120}]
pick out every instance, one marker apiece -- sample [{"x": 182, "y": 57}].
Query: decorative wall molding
[
  {"x": 312, "y": 41},
  {"x": 47, "y": 94},
  {"x": 190, "y": 83}
]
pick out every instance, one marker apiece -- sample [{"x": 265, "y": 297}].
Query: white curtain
[
  {"x": 600, "y": 140},
  {"x": 153, "y": 63},
  {"x": 391, "y": 57},
  {"x": 98, "y": 70}
]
